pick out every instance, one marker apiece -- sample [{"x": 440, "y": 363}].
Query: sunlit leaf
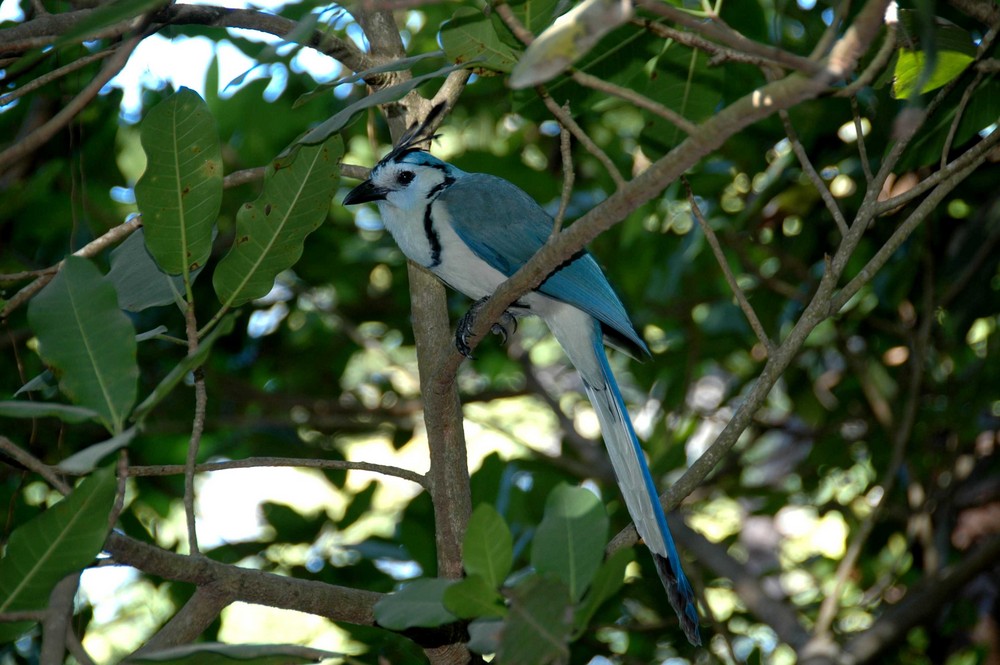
[
  {"x": 180, "y": 193},
  {"x": 925, "y": 65},
  {"x": 271, "y": 231},
  {"x": 568, "y": 39},
  {"x": 60, "y": 541},
  {"x": 87, "y": 339}
]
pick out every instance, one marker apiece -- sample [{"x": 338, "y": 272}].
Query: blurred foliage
[{"x": 899, "y": 390}]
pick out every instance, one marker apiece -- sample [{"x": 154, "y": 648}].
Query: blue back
[{"x": 505, "y": 227}]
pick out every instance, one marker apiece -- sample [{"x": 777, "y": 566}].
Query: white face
[{"x": 409, "y": 185}]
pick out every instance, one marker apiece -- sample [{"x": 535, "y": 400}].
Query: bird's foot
[{"x": 506, "y": 325}]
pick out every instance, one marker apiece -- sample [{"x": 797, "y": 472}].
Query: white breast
[{"x": 458, "y": 266}]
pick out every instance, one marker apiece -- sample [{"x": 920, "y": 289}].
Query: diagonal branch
[{"x": 712, "y": 133}]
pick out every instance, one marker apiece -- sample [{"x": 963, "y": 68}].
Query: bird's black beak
[{"x": 364, "y": 193}]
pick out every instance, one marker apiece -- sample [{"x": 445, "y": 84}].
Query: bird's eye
[{"x": 405, "y": 177}]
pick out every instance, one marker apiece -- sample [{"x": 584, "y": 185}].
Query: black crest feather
[{"x": 417, "y": 133}]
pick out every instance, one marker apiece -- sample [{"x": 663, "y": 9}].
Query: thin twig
[
  {"x": 959, "y": 114},
  {"x": 862, "y": 148},
  {"x": 243, "y": 177},
  {"x": 718, "y": 52},
  {"x": 44, "y": 133},
  {"x": 565, "y": 150},
  {"x": 256, "y": 462},
  {"x": 32, "y": 463},
  {"x": 197, "y": 427},
  {"x": 506, "y": 15},
  {"x": 718, "y": 30},
  {"x": 734, "y": 286},
  {"x": 875, "y": 67},
  {"x": 75, "y": 648},
  {"x": 567, "y": 121},
  {"x": 57, "y": 73},
  {"x": 812, "y": 174},
  {"x": 900, "y": 437},
  {"x": 564, "y": 118},
  {"x": 636, "y": 99},
  {"x": 93, "y": 248}
]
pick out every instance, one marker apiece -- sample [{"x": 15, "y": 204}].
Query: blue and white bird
[{"x": 475, "y": 230}]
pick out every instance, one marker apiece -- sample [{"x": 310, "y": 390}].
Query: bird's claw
[{"x": 463, "y": 334}]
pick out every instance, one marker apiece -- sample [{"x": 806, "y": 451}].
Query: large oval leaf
[
  {"x": 271, "y": 231},
  {"x": 569, "y": 543},
  {"x": 46, "y": 549},
  {"x": 87, "y": 339},
  {"x": 180, "y": 193}
]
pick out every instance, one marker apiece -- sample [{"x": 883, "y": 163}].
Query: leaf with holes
[
  {"x": 62, "y": 540},
  {"x": 180, "y": 192},
  {"x": 88, "y": 341},
  {"x": 271, "y": 231}
]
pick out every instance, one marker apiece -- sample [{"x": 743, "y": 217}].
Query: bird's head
[{"x": 404, "y": 179}]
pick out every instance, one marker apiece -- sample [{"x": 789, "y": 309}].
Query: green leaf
[
  {"x": 335, "y": 123},
  {"x": 474, "y": 597},
  {"x": 271, "y": 231},
  {"x": 910, "y": 67},
  {"x": 928, "y": 64},
  {"x": 87, "y": 459},
  {"x": 180, "y": 193},
  {"x": 420, "y": 604},
  {"x": 139, "y": 281},
  {"x": 469, "y": 36},
  {"x": 88, "y": 341},
  {"x": 609, "y": 579},
  {"x": 214, "y": 653},
  {"x": 188, "y": 364},
  {"x": 64, "y": 412},
  {"x": 49, "y": 547},
  {"x": 537, "y": 628},
  {"x": 569, "y": 543},
  {"x": 488, "y": 547},
  {"x": 393, "y": 66},
  {"x": 567, "y": 40},
  {"x": 535, "y": 15}
]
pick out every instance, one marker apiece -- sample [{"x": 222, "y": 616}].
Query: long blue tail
[{"x": 641, "y": 497}]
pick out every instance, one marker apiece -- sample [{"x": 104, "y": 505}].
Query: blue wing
[{"x": 473, "y": 203}]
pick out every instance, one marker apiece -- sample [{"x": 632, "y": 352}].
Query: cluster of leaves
[{"x": 549, "y": 605}]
